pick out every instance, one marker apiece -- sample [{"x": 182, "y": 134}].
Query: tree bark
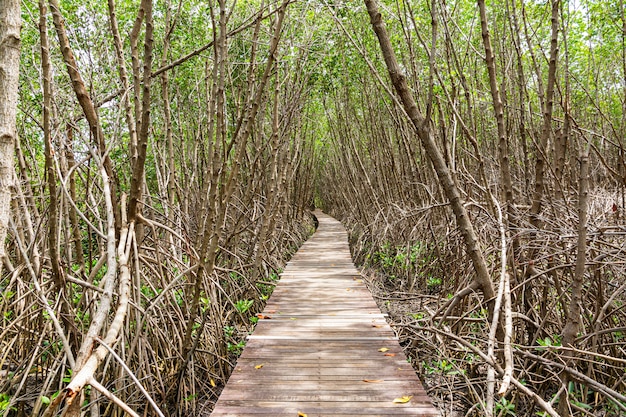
[
  {"x": 136, "y": 183},
  {"x": 10, "y": 45}
]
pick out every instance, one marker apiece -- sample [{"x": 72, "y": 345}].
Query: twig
[
  {"x": 620, "y": 399},
  {"x": 121, "y": 404},
  {"x": 538, "y": 400},
  {"x": 132, "y": 376},
  {"x": 42, "y": 296},
  {"x": 491, "y": 342},
  {"x": 505, "y": 282}
]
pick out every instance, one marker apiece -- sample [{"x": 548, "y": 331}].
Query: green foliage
[
  {"x": 236, "y": 276},
  {"x": 228, "y": 331},
  {"x": 417, "y": 316},
  {"x": 505, "y": 408},
  {"x": 179, "y": 296},
  {"x": 205, "y": 302},
  {"x": 5, "y": 402},
  {"x": 191, "y": 397},
  {"x": 243, "y": 306},
  {"x": 412, "y": 260},
  {"x": 237, "y": 347},
  {"x": 267, "y": 289},
  {"x": 548, "y": 341},
  {"x": 68, "y": 376},
  {"x": 442, "y": 367},
  {"x": 433, "y": 283}
]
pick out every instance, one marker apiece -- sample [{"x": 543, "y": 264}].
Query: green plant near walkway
[
  {"x": 505, "y": 408},
  {"x": 5, "y": 401},
  {"x": 243, "y": 306},
  {"x": 410, "y": 262}
]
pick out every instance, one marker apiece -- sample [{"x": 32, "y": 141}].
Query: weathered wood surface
[{"x": 321, "y": 345}]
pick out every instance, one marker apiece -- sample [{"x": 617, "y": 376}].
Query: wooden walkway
[{"x": 324, "y": 349}]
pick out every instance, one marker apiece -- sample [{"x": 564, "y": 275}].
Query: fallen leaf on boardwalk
[
  {"x": 258, "y": 366},
  {"x": 213, "y": 384},
  {"x": 383, "y": 349},
  {"x": 293, "y": 318},
  {"x": 347, "y": 289},
  {"x": 377, "y": 325},
  {"x": 372, "y": 381},
  {"x": 402, "y": 400},
  {"x": 263, "y": 317},
  {"x": 301, "y": 414},
  {"x": 390, "y": 354}
]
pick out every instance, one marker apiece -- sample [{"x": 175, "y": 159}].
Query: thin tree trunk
[
  {"x": 10, "y": 46},
  {"x": 71, "y": 163},
  {"x": 136, "y": 184},
  {"x": 503, "y": 146},
  {"x": 53, "y": 226},
  {"x": 573, "y": 324},
  {"x": 546, "y": 130}
]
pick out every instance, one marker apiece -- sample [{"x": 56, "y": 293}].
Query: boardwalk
[{"x": 325, "y": 348}]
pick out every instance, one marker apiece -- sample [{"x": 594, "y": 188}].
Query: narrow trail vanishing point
[{"x": 322, "y": 346}]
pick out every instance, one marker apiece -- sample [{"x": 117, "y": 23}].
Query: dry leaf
[
  {"x": 258, "y": 366},
  {"x": 383, "y": 349},
  {"x": 390, "y": 354},
  {"x": 301, "y": 414},
  {"x": 377, "y": 325},
  {"x": 263, "y": 317},
  {"x": 372, "y": 381},
  {"x": 347, "y": 289},
  {"x": 213, "y": 384},
  {"x": 402, "y": 400}
]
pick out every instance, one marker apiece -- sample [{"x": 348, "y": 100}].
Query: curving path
[{"x": 325, "y": 348}]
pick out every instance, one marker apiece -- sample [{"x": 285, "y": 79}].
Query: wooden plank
[{"x": 323, "y": 338}]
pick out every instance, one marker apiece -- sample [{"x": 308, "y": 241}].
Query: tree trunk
[
  {"x": 574, "y": 322},
  {"x": 10, "y": 44},
  {"x": 546, "y": 130},
  {"x": 136, "y": 184},
  {"x": 53, "y": 226}
]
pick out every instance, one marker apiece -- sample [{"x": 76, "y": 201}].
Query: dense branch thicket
[
  {"x": 167, "y": 154},
  {"x": 151, "y": 215}
]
